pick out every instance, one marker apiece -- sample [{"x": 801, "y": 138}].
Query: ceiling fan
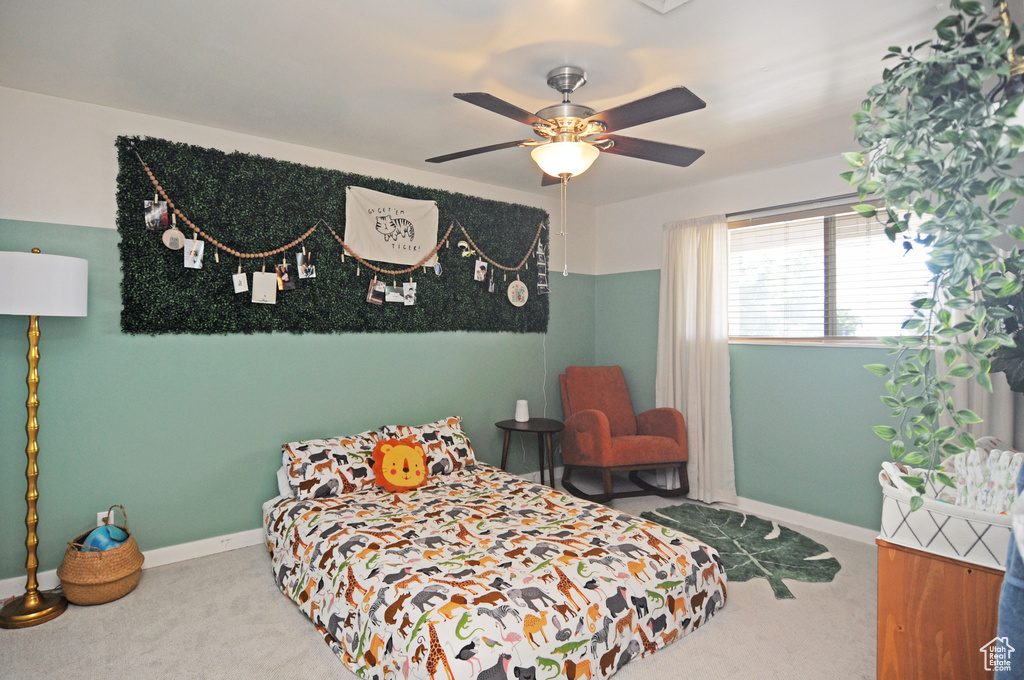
[{"x": 572, "y": 136}]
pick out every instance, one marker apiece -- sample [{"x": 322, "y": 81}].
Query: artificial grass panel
[{"x": 255, "y": 204}]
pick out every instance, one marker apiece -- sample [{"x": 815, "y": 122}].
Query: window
[{"x": 820, "y": 277}]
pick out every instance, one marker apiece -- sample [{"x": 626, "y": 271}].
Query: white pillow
[{"x": 282, "y": 482}]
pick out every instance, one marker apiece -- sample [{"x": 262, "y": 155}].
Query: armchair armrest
[
  {"x": 586, "y": 439},
  {"x": 663, "y": 422}
]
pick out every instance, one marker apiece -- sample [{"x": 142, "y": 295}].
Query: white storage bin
[{"x": 945, "y": 529}]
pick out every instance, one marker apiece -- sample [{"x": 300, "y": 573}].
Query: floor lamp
[{"x": 35, "y": 285}]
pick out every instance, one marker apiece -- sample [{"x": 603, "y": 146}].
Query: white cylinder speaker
[{"x": 522, "y": 411}]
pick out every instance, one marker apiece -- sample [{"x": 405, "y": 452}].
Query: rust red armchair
[{"x": 602, "y": 433}]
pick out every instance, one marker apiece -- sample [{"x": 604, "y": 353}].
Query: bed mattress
[{"x": 484, "y": 575}]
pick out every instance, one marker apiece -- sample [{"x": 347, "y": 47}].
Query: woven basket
[{"x": 90, "y": 576}]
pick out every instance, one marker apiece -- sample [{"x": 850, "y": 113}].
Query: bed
[{"x": 478, "y": 574}]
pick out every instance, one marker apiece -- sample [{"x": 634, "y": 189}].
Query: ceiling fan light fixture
[{"x": 565, "y": 158}]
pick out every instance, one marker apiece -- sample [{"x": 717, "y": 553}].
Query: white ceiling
[{"x": 374, "y": 78}]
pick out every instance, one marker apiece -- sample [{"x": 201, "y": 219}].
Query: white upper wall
[
  {"x": 629, "y": 233},
  {"x": 59, "y": 165}
]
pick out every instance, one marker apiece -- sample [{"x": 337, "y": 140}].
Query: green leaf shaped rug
[{"x": 752, "y": 547}]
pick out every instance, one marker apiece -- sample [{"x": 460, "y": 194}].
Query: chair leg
[
  {"x": 606, "y": 477},
  {"x": 684, "y": 479}
]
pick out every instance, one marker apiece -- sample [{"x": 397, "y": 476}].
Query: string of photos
[{"x": 315, "y": 282}]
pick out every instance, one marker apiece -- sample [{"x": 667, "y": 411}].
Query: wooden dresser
[{"x": 934, "y": 615}]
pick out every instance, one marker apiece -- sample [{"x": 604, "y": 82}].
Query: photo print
[
  {"x": 194, "y": 253},
  {"x": 480, "y": 273},
  {"x": 542, "y": 270},
  {"x": 409, "y": 293},
  {"x": 304, "y": 262},
  {"x": 490, "y": 283},
  {"x": 375, "y": 294},
  {"x": 240, "y": 282},
  {"x": 394, "y": 294},
  {"x": 156, "y": 214},
  {"x": 284, "y": 279},
  {"x": 264, "y": 288}
]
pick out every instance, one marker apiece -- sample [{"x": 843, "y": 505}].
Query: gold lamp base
[{"x": 31, "y": 609}]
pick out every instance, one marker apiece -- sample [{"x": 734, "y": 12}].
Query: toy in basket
[{"x": 103, "y": 567}]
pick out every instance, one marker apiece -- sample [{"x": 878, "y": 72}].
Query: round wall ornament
[
  {"x": 174, "y": 239},
  {"x": 518, "y": 293}
]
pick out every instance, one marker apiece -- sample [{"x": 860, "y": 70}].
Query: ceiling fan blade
[
  {"x": 499, "y": 106},
  {"x": 479, "y": 149},
  {"x": 659, "y": 152},
  {"x": 547, "y": 180},
  {"x": 655, "y": 107}
]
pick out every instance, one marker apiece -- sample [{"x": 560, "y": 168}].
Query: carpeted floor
[{"x": 223, "y": 617}]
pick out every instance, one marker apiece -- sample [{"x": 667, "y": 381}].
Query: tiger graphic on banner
[{"x": 389, "y": 228}]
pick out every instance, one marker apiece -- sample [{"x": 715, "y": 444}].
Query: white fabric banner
[{"x": 389, "y": 228}]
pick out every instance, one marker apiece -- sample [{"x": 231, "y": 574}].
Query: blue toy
[{"x": 106, "y": 537}]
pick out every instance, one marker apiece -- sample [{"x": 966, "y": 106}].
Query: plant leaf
[
  {"x": 885, "y": 432},
  {"x": 881, "y": 370}
]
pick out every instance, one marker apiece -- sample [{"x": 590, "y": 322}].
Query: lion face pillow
[{"x": 399, "y": 464}]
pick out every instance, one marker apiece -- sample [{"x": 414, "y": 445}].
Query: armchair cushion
[
  {"x": 604, "y": 389},
  {"x": 644, "y": 450},
  {"x": 664, "y": 422}
]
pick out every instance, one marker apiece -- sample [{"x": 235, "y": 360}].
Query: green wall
[
  {"x": 626, "y": 320},
  {"x": 185, "y": 431},
  {"x": 801, "y": 415}
]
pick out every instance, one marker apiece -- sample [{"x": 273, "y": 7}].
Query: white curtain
[{"x": 693, "y": 350}]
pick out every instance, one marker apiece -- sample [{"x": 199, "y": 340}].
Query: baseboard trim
[
  {"x": 776, "y": 512},
  {"x": 829, "y": 526},
  {"x": 157, "y": 557}
]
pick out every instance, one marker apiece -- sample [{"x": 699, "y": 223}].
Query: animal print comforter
[{"x": 483, "y": 575}]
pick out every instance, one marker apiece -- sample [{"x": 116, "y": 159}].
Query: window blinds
[{"x": 821, "y": 277}]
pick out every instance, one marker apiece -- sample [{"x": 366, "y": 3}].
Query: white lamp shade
[
  {"x": 33, "y": 284},
  {"x": 559, "y": 158}
]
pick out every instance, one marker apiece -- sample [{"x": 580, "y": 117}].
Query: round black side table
[{"x": 544, "y": 427}]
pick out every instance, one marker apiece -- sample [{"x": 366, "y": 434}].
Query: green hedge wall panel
[{"x": 255, "y": 204}]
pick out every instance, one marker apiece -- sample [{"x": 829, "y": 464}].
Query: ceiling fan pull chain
[
  {"x": 565, "y": 242},
  {"x": 565, "y": 253}
]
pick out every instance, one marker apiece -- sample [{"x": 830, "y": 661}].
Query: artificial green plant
[{"x": 938, "y": 157}]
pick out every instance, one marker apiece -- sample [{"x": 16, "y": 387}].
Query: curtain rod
[{"x": 797, "y": 204}]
